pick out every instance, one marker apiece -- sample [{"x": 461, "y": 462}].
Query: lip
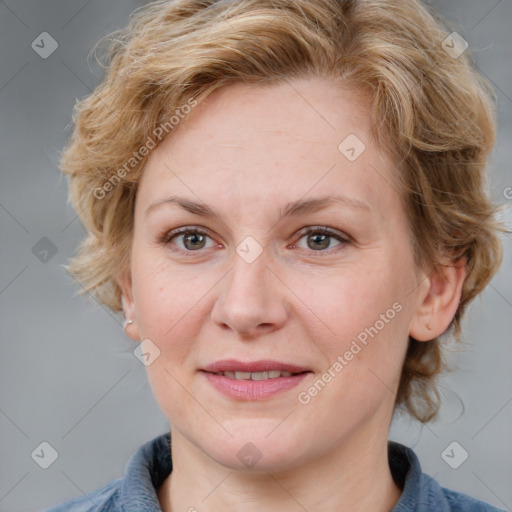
[
  {"x": 253, "y": 390},
  {"x": 262, "y": 365}
]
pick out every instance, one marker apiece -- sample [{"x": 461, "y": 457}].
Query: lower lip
[{"x": 253, "y": 389}]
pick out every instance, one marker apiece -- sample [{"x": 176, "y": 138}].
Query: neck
[{"x": 353, "y": 477}]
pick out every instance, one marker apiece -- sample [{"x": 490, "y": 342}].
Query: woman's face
[{"x": 250, "y": 171}]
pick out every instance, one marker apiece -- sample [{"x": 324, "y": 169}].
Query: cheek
[
  {"x": 171, "y": 312},
  {"x": 367, "y": 318},
  {"x": 349, "y": 301},
  {"x": 167, "y": 298}
]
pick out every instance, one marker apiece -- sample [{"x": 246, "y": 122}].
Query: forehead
[{"x": 278, "y": 142}]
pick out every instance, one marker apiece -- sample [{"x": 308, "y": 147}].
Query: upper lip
[{"x": 263, "y": 365}]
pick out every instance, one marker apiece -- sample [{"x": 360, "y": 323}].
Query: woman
[{"x": 285, "y": 199}]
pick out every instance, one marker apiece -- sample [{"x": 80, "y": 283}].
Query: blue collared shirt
[{"x": 151, "y": 464}]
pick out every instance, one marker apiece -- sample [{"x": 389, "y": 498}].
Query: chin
[{"x": 256, "y": 448}]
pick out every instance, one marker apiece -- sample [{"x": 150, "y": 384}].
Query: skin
[{"x": 247, "y": 151}]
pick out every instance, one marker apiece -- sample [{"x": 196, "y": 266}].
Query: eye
[
  {"x": 191, "y": 239},
  {"x": 187, "y": 239},
  {"x": 320, "y": 238}
]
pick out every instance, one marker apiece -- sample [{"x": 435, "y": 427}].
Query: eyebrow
[{"x": 295, "y": 208}]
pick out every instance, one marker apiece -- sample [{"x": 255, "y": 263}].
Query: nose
[{"x": 252, "y": 300}]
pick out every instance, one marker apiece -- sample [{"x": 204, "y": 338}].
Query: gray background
[{"x": 67, "y": 372}]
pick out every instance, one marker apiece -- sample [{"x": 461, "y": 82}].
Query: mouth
[
  {"x": 256, "y": 370},
  {"x": 253, "y": 380}
]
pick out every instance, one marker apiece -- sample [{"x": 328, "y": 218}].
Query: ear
[
  {"x": 438, "y": 300},
  {"x": 125, "y": 283}
]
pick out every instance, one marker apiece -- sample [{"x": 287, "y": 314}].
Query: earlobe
[
  {"x": 128, "y": 304},
  {"x": 438, "y": 300}
]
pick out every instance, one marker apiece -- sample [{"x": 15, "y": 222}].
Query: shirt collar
[
  {"x": 406, "y": 472},
  {"x": 145, "y": 472}
]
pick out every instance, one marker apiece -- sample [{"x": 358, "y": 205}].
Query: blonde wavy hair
[{"x": 432, "y": 113}]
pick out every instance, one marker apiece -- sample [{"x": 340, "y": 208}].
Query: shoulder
[
  {"x": 105, "y": 499},
  {"x": 146, "y": 470},
  {"x": 460, "y": 502},
  {"x": 421, "y": 492}
]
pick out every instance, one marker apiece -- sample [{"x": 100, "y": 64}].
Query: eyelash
[{"x": 167, "y": 236}]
